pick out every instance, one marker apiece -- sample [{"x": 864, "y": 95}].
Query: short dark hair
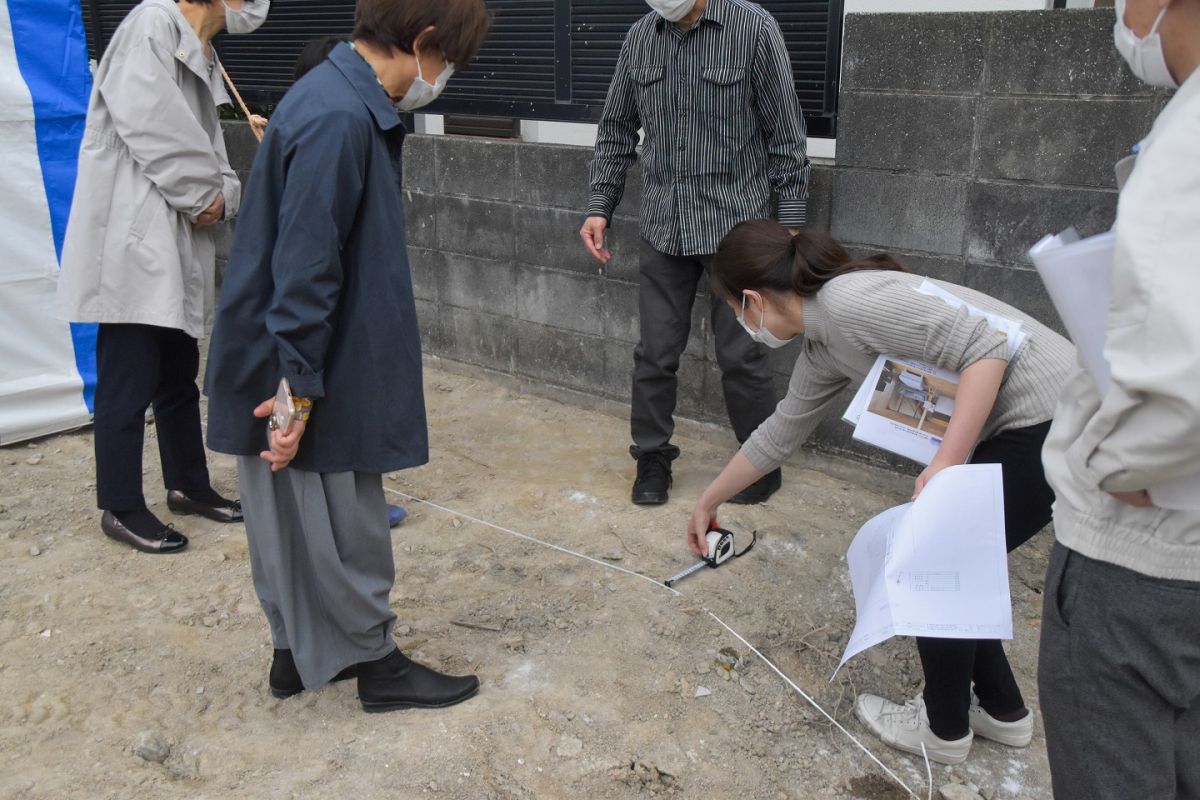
[
  {"x": 459, "y": 26},
  {"x": 314, "y": 52}
]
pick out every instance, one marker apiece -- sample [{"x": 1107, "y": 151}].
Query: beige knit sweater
[{"x": 857, "y": 317}]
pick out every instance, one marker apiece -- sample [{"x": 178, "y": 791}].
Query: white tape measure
[{"x": 720, "y": 550}]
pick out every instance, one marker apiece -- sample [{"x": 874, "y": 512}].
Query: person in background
[
  {"x": 318, "y": 291},
  {"x": 139, "y": 256},
  {"x": 1119, "y": 668},
  {"x": 710, "y": 84},
  {"x": 851, "y": 312},
  {"x": 314, "y": 52}
]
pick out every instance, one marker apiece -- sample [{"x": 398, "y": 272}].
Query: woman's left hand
[{"x": 935, "y": 466}]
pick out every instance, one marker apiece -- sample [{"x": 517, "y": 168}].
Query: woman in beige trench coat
[{"x": 140, "y": 253}]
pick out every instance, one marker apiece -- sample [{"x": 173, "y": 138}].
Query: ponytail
[{"x": 762, "y": 254}]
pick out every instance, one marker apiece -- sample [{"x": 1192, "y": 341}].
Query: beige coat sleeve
[
  {"x": 154, "y": 121},
  {"x": 1147, "y": 429}
]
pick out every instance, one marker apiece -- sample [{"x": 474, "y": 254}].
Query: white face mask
[
  {"x": 672, "y": 10},
  {"x": 1144, "y": 56},
  {"x": 422, "y": 92},
  {"x": 762, "y": 335},
  {"x": 248, "y": 18}
]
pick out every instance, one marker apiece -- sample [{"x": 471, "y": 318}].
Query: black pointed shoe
[
  {"x": 168, "y": 539},
  {"x": 760, "y": 490},
  {"x": 285, "y": 678},
  {"x": 225, "y": 511},
  {"x": 396, "y": 681},
  {"x": 653, "y": 482}
]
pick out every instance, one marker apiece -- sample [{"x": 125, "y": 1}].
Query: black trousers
[
  {"x": 665, "y": 297},
  {"x": 138, "y": 366},
  {"x": 951, "y": 665}
]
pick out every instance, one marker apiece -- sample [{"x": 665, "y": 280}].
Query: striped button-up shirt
[{"x": 722, "y": 123}]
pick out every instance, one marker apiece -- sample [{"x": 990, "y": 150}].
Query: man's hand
[
  {"x": 1139, "y": 499},
  {"x": 211, "y": 215},
  {"x": 592, "y": 234},
  {"x": 257, "y": 125},
  {"x": 794, "y": 231},
  {"x": 285, "y": 443}
]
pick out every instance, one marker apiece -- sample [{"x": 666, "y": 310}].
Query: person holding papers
[
  {"x": 1119, "y": 669},
  {"x": 851, "y": 312}
]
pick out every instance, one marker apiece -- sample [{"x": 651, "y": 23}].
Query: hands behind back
[{"x": 285, "y": 443}]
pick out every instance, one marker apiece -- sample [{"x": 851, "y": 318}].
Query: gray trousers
[
  {"x": 321, "y": 559},
  {"x": 665, "y": 297},
  {"x": 1119, "y": 676}
]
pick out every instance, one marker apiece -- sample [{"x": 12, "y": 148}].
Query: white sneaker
[
  {"x": 906, "y": 728},
  {"x": 1013, "y": 734}
]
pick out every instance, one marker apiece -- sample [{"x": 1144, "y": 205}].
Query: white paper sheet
[
  {"x": 936, "y": 567},
  {"x": 1078, "y": 277},
  {"x": 1011, "y": 328}
]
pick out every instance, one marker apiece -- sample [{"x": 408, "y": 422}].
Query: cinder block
[
  {"x": 622, "y": 317},
  {"x": 783, "y": 360},
  {"x": 430, "y": 320},
  {"x": 951, "y": 269},
  {"x": 559, "y": 357},
  {"x": 618, "y": 370},
  {"x": 420, "y": 219},
  {"x": 475, "y": 167},
  {"x": 1059, "y": 140},
  {"x": 560, "y": 299},
  {"x": 1020, "y": 288},
  {"x": 420, "y": 164},
  {"x": 479, "y": 338},
  {"x": 478, "y": 284},
  {"x": 475, "y": 227},
  {"x": 1003, "y": 220},
  {"x": 820, "y": 197},
  {"x": 549, "y": 237},
  {"x": 240, "y": 144},
  {"x": 624, "y": 241},
  {"x": 907, "y": 212},
  {"x": 554, "y": 175},
  {"x": 1057, "y": 52},
  {"x": 426, "y": 267},
  {"x": 923, "y": 52},
  {"x": 913, "y": 133}
]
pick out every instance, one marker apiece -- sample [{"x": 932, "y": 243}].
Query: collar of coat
[
  {"x": 189, "y": 51},
  {"x": 358, "y": 74}
]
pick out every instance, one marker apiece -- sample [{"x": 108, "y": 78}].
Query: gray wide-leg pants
[
  {"x": 321, "y": 559},
  {"x": 1119, "y": 676}
]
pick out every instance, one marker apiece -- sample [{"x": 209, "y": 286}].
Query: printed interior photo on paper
[{"x": 914, "y": 397}]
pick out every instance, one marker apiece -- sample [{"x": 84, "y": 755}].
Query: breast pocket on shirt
[
  {"x": 723, "y": 94},
  {"x": 650, "y": 89}
]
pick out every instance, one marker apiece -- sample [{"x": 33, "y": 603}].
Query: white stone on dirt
[
  {"x": 569, "y": 746},
  {"x": 35, "y": 550},
  {"x": 956, "y": 791},
  {"x": 703, "y": 691},
  {"x": 152, "y": 746}
]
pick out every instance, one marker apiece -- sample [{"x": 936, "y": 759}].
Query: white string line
[
  {"x": 720, "y": 621},
  {"x": 534, "y": 539}
]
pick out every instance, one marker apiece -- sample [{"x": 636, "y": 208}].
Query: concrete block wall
[{"x": 962, "y": 139}]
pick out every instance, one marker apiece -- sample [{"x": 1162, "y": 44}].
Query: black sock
[{"x": 142, "y": 522}]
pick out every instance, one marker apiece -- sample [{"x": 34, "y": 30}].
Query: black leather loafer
[
  {"x": 180, "y": 503},
  {"x": 395, "y": 682},
  {"x": 170, "y": 540},
  {"x": 760, "y": 490},
  {"x": 285, "y": 679}
]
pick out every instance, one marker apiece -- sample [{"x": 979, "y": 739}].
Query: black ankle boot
[
  {"x": 285, "y": 678},
  {"x": 760, "y": 490},
  {"x": 653, "y": 482},
  {"x": 395, "y": 681}
]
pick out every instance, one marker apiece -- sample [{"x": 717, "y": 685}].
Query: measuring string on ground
[{"x": 720, "y": 550}]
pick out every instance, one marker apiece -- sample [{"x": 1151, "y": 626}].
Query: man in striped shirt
[{"x": 710, "y": 83}]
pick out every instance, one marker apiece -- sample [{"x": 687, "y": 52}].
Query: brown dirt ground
[{"x": 589, "y": 675}]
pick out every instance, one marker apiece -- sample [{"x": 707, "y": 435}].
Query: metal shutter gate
[{"x": 544, "y": 59}]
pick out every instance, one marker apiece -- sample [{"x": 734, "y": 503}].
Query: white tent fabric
[{"x": 42, "y": 390}]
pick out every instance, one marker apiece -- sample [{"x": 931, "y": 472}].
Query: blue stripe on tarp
[{"x": 52, "y": 55}]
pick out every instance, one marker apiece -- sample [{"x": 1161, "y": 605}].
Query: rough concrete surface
[{"x": 127, "y": 675}]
